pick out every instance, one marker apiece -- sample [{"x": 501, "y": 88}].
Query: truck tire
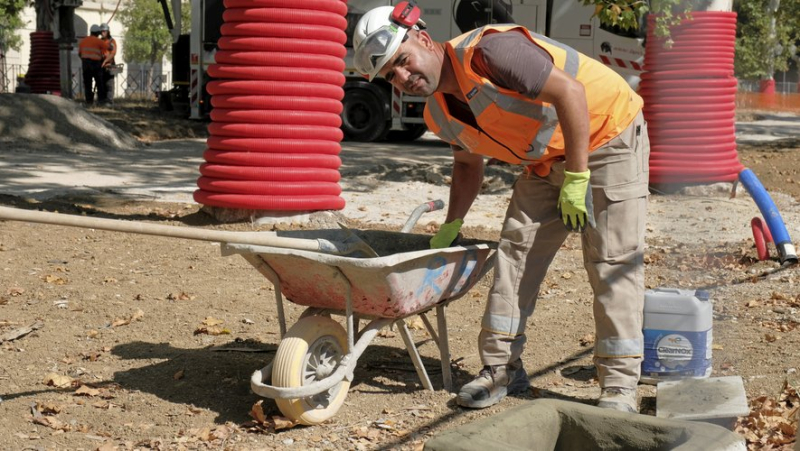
[
  {"x": 413, "y": 132},
  {"x": 363, "y": 116}
]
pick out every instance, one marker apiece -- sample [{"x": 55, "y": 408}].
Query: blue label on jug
[{"x": 671, "y": 353}]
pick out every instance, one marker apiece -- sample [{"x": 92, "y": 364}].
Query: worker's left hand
[{"x": 575, "y": 201}]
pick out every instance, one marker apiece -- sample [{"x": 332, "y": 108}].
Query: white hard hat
[
  {"x": 94, "y": 29},
  {"x": 103, "y": 27},
  {"x": 377, "y": 37}
]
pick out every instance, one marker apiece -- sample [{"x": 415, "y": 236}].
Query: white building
[{"x": 90, "y": 13}]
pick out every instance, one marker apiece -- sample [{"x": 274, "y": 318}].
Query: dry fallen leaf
[
  {"x": 772, "y": 422},
  {"x": 566, "y": 275},
  {"x": 268, "y": 424},
  {"x": 587, "y": 339},
  {"x": 120, "y": 322},
  {"x": 183, "y": 296},
  {"x": 257, "y": 412},
  {"x": 212, "y": 330},
  {"x": 416, "y": 324},
  {"x": 92, "y": 333},
  {"x": 85, "y": 390},
  {"x": 386, "y": 333},
  {"x": 52, "y": 423},
  {"x": 178, "y": 375},
  {"x": 57, "y": 380},
  {"x": 48, "y": 408},
  {"x": 55, "y": 280},
  {"x": 210, "y": 321}
]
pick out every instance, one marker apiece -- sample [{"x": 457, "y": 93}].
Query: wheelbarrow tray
[{"x": 406, "y": 278}]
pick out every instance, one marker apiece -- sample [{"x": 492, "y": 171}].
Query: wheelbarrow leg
[
  {"x": 444, "y": 347},
  {"x": 441, "y": 342},
  {"x": 412, "y": 351}
]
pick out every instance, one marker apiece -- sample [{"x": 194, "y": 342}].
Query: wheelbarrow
[
  {"x": 313, "y": 367},
  {"x": 325, "y": 270}
]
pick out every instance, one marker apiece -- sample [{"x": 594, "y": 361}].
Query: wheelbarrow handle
[
  {"x": 433, "y": 205},
  {"x": 190, "y": 233}
]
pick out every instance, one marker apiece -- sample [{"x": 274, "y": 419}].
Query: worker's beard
[{"x": 419, "y": 85}]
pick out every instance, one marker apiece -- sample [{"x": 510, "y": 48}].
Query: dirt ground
[{"x": 141, "y": 342}]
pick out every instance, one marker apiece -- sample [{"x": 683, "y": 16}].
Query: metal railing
[
  {"x": 784, "y": 87},
  {"x": 140, "y": 83},
  {"x": 8, "y": 77}
]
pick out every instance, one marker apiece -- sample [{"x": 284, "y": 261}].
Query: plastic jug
[{"x": 677, "y": 334}]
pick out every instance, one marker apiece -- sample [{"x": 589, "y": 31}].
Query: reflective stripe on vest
[
  {"x": 91, "y": 48},
  {"x": 488, "y": 95}
]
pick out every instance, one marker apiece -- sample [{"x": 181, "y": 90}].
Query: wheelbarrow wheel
[{"x": 311, "y": 351}]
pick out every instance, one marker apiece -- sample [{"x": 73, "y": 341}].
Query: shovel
[{"x": 351, "y": 245}]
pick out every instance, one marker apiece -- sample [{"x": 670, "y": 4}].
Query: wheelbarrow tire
[{"x": 313, "y": 346}]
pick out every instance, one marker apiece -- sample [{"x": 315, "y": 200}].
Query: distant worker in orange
[
  {"x": 91, "y": 50},
  {"x": 109, "y": 64}
]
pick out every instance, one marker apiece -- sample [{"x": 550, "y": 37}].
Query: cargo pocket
[{"x": 625, "y": 217}]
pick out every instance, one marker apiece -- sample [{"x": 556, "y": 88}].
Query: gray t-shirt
[{"x": 510, "y": 60}]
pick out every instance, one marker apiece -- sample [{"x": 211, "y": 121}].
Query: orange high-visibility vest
[
  {"x": 92, "y": 48},
  {"x": 513, "y": 127},
  {"x": 111, "y": 49}
]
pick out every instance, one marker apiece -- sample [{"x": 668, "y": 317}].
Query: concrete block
[
  {"x": 550, "y": 424},
  {"x": 718, "y": 400}
]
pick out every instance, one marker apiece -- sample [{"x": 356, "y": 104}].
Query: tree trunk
[{"x": 768, "y": 84}]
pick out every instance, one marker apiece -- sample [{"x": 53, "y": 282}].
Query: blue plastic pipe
[{"x": 771, "y": 214}]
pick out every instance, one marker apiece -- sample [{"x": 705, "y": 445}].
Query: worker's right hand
[{"x": 447, "y": 234}]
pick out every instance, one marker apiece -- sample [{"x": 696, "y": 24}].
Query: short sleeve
[{"x": 510, "y": 60}]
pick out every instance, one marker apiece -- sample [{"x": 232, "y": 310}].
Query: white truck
[{"x": 374, "y": 111}]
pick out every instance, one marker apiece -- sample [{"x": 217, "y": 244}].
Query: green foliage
[
  {"x": 147, "y": 38},
  {"x": 760, "y": 53},
  {"x": 625, "y": 14},
  {"x": 619, "y": 13},
  {"x": 10, "y": 22}
]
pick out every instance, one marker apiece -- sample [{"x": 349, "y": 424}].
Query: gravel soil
[{"x": 142, "y": 342}]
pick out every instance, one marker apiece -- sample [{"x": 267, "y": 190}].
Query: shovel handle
[{"x": 189, "y": 233}]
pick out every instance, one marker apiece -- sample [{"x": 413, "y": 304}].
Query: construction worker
[
  {"x": 576, "y": 130},
  {"x": 91, "y": 50},
  {"x": 109, "y": 62}
]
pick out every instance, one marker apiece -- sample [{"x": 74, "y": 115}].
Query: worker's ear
[{"x": 424, "y": 39}]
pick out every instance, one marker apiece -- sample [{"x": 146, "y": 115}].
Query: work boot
[
  {"x": 617, "y": 398},
  {"x": 493, "y": 384}
]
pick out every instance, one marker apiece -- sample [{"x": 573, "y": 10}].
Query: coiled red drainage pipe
[
  {"x": 275, "y": 132},
  {"x": 689, "y": 93},
  {"x": 43, "y": 74}
]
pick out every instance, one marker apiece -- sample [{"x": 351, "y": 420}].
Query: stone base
[
  {"x": 717, "y": 400},
  {"x": 326, "y": 219}
]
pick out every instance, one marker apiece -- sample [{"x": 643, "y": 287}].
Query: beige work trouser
[{"x": 612, "y": 254}]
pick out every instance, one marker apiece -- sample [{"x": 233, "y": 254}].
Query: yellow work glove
[
  {"x": 575, "y": 201},
  {"x": 447, "y": 234}
]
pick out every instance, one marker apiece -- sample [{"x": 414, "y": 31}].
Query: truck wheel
[
  {"x": 413, "y": 132},
  {"x": 363, "y": 117}
]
